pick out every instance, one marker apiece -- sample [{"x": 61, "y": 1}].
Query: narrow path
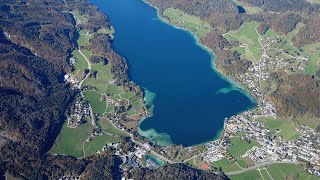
[
  {"x": 260, "y": 165},
  {"x": 262, "y": 55},
  {"x": 269, "y": 173},
  {"x": 239, "y": 165},
  {"x": 260, "y": 173}
]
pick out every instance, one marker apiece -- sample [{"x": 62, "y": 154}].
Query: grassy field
[
  {"x": 70, "y": 140},
  {"x": 80, "y": 65},
  {"x": 242, "y": 163},
  {"x": 187, "y": 21},
  {"x": 94, "y": 100},
  {"x": 221, "y": 163},
  {"x": 276, "y": 171},
  {"x": 80, "y": 19},
  {"x": 106, "y": 30},
  {"x": 314, "y": 64},
  {"x": 252, "y": 175},
  {"x": 249, "y": 9},
  {"x": 247, "y": 36},
  {"x": 240, "y": 147},
  {"x": 97, "y": 143},
  {"x": 231, "y": 167},
  {"x": 107, "y": 126},
  {"x": 114, "y": 89},
  {"x": 265, "y": 175},
  {"x": 287, "y": 129},
  {"x": 314, "y": 1},
  {"x": 102, "y": 78},
  {"x": 84, "y": 37},
  {"x": 289, "y": 171}
]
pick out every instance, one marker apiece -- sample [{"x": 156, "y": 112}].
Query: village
[{"x": 271, "y": 149}]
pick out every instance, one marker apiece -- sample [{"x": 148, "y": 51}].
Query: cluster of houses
[
  {"x": 305, "y": 148},
  {"x": 70, "y": 78},
  {"x": 79, "y": 111}
]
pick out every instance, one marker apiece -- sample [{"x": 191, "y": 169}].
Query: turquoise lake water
[{"x": 188, "y": 97}]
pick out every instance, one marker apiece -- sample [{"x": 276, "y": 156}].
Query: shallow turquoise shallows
[{"x": 188, "y": 97}]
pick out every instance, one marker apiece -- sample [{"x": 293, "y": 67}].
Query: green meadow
[
  {"x": 248, "y": 37},
  {"x": 287, "y": 129},
  {"x": 275, "y": 171},
  {"x": 108, "y": 127},
  {"x": 70, "y": 140},
  {"x": 97, "y": 105},
  {"x": 248, "y": 8},
  {"x": 98, "y": 142},
  {"x": 240, "y": 147},
  {"x": 193, "y": 23}
]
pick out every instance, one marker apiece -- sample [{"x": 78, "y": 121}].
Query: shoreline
[
  {"x": 229, "y": 79},
  {"x": 233, "y": 83}
]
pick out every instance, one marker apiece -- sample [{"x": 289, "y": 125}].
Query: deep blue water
[
  {"x": 241, "y": 9},
  {"x": 168, "y": 62}
]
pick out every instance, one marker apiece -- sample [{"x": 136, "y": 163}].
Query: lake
[{"x": 189, "y": 99}]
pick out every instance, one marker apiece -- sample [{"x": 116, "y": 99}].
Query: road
[
  {"x": 260, "y": 165},
  {"x": 80, "y": 85},
  {"x": 147, "y": 148},
  {"x": 144, "y": 146},
  {"x": 89, "y": 67}
]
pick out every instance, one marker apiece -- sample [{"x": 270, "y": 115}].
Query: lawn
[
  {"x": 287, "y": 129},
  {"x": 231, "y": 167},
  {"x": 106, "y": 30},
  {"x": 249, "y": 9},
  {"x": 97, "y": 143},
  {"x": 86, "y": 53},
  {"x": 221, "y": 163},
  {"x": 252, "y": 175},
  {"x": 83, "y": 39},
  {"x": 114, "y": 89},
  {"x": 81, "y": 63},
  {"x": 314, "y": 64},
  {"x": 242, "y": 163},
  {"x": 195, "y": 24},
  {"x": 276, "y": 171},
  {"x": 127, "y": 95},
  {"x": 289, "y": 171},
  {"x": 80, "y": 18},
  {"x": 70, "y": 140},
  {"x": 265, "y": 174},
  {"x": 287, "y": 40},
  {"x": 110, "y": 109},
  {"x": 97, "y": 105},
  {"x": 107, "y": 126},
  {"x": 103, "y": 77},
  {"x": 314, "y": 1},
  {"x": 248, "y": 35},
  {"x": 240, "y": 147},
  {"x": 135, "y": 106}
]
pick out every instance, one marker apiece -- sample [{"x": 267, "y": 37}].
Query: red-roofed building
[{"x": 204, "y": 167}]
